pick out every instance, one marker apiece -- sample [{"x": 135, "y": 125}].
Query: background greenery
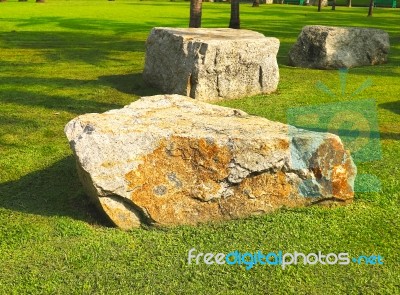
[{"x": 66, "y": 58}]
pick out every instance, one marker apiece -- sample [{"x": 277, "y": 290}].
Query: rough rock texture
[
  {"x": 169, "y": 160},
  {"x": 211, "y": 64},
  {"x": 338, "y": 47},
  {"x": 324, "y": 3}
]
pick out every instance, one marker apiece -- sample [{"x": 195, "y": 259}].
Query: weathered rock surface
[
  {"x": 324, "y": 47},
  {"x": 169, "y": 160},
  {"x": 324, "y": 3},
  {"x": 211, "y": 64}
]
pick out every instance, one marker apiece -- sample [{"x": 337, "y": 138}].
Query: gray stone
[
  {"x": 168, "y": 160},
  {"x": 211, "y": 64},
  {"x": 324, "y": 3},
  {"x": 324, "y": 47}
]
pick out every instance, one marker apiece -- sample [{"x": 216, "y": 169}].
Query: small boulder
[
  {"x": 324, "y": 3},
  {"x": 211, "y": 64},
  {"x": 169, "y": 160},
  {"x": 324, "y": 47}
]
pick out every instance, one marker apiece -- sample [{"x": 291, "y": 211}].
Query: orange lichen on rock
[
  {"x": 174, "y": 182},
  {"x": 261, "y": 194},
  {"x": 182, "y": 182},
  {"x": 333, "y": 163}
]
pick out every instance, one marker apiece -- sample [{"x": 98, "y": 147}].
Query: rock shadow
[{"x": 54, "y": 191}]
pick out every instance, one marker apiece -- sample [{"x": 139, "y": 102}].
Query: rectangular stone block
[
  {"x": 211, "y": 64},
  {"x": 323, "y": 47}
]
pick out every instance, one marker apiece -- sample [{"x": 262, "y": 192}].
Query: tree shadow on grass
[
  {"x": 393, "y": 106},
  {"x": 81, "y": 24},
  {"x": 55, "y": 102},
  {"x": 54, "y": 191},
  {"x": 132, "y": 84},
  {"x": 56, "y": 46},
  {"x": 129, "y": 84}
]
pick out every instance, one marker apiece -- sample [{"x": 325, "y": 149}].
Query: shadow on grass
[
  {"x": 125, "y": 83},
  {"x": 393, "y": 106},
  {"x": 81, "y": 24},
  {"x": 54, "y": 191},
  {"x": 55, "y": 102},
  {"x": 60, "y": 46},
  {"x": 129, "y": 83}
]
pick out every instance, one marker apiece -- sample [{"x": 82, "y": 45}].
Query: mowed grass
[{"x": 65, "y": 58}]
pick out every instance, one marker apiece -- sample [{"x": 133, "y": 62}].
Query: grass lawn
[{"x": 65, "y": 58}]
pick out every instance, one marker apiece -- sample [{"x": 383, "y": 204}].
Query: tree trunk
[
  {"x": 349, "y": 3},
  {"x": 234, "y": 22},
  {"x": 256, "y": 3},
  {"x": 319, "y": 5},
  {"x": 334, "y": 5},
  {"x": 39, "y": 1},
  {"x": 371, "y": 7},
  {"x": 195, "y": 13}
]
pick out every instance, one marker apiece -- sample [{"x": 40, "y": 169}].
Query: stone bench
[
  {"x": 170, "y": 160},
  {"x": 211, "y": 64},
  {"x": 324, "y": 47}
]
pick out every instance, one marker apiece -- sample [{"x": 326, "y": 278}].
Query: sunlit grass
[{"x": 65, "y": 58}]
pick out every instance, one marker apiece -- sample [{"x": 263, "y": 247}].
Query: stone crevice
[{"x": 142, "y": 215}]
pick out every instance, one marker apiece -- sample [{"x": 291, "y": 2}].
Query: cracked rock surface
[
  {"x": 323, "y": 47},
  {"x": 211, "y": 64},
  {"x": 168, "y": 160}
]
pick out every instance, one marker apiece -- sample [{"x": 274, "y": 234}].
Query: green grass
[{"x": 65, "y": 58}]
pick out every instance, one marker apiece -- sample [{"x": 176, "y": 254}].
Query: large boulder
[
  {"x": 324, "y": 47},
  {"x": 211, "y": 64},
  {"x": 169, "y": 160}
]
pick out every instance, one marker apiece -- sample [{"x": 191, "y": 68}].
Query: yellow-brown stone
[{"x": 169, "y": 160}]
